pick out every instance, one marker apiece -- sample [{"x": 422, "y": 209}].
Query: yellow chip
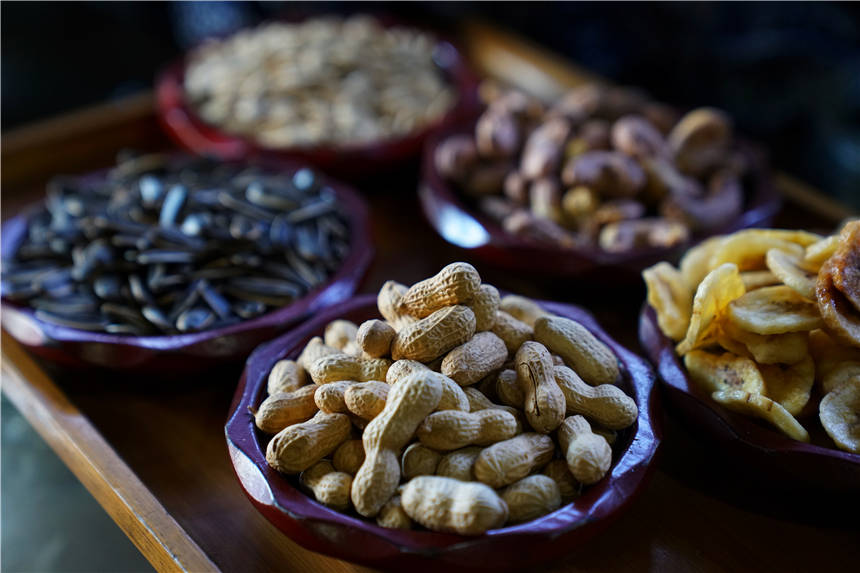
[
  {"x": 774, "y": 310},
  {"x": 715, "y": 292},
  {"x": 717, "y": 372},
  {"x": 839, "y": 412},
  {"x": 670, "y": 297},
  {"x": 833, "y": 361},
  {"x": 732, "y": 345},
  {"x": 790, "y": 385},
  {"x": 747, "y": 249},
  {"x": 695, "y": 264},
  {"x": 793, "y": 272},
  {"x": 817, "y": 253},
  {"x": 786, "y": 348},
  {"x": 764, "y": 408},
  {"x": 757, "y": 279},
  {"x": 840, "y": 374}
]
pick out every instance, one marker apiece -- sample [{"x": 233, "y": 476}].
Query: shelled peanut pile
[{"x": 396, "y": 417}]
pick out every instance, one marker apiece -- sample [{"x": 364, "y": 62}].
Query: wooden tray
[{"x": 154, "y": 456}]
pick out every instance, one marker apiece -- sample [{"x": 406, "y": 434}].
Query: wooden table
[{"x": 153, "y": 452}]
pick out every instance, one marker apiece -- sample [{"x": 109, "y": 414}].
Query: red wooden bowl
[
  {"x": 191, "y": 132},
  {"x": 350, "y": 537},
  {"x": 194, "y": 351},
  {"x": 757, "y": 448},
  {"x": 488, "y": 241}
]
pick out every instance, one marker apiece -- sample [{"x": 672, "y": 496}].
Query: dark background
[{"x": 788, "y": 72}]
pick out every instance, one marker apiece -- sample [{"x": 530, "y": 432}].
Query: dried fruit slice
[
  {"x": 774, "y": 310},
  {"x": 786, "y": 348},
  {"x": 764, "y": 408},
  {"x": 792, "y": 271},
  {"x": 789, "y": 385},
  {"x": 840, "y": 415},
  {"x": 817, "y": 253},
  {"x": 727, "y": 371},
  {"x": 840, "y": 318},
  {"x": 834, "y": 362},
  {"x": 757, "y": 279},
  {"x": 747, "y": 249},
  {"x": 846, "y": 263},
  {"x": 715, "y": 292},
  {"x": 841, "y": 373},
  {"x": 695, "y": 264},
  {"x": 670, "y": 297}
]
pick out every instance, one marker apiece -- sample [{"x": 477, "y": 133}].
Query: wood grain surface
[{"x": 152, "y": 451}]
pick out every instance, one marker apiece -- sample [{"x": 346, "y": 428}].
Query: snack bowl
[
  {"x": 190, "y": 352},
  {"x": 350, "y": 537},
  {"x": 484, "y": 238},
  {"x": 191, "y": 132},
  {"x": 759, "y": 452}
]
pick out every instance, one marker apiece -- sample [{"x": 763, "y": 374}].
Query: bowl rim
[
  {"x": 743, "y": 429},
  {"x": 606, "y": 499},
  {"x": 763, "y": 201},
  {"x": 181, "y": 121},
  {"x": 350, "y": 272}
]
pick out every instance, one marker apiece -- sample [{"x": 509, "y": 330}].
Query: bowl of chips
[{"x": 756, "y": 338}]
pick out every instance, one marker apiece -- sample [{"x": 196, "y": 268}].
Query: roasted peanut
[
  {"x": 472, "y": 360},
  {"x": 522, "y": 308},
  {"x": 508, "y": 389},
  {"x": 285, "y": 409},
  {"x": 286, "y": 376},
  {"x": 513, "y": 332},
  {"x": 453, "y": 285},
  {"x": 588, "y": 455},
  {"x": 531, "y": 497},
  {"x": 341, "y": 334},
  {"x": 419, "y": 460},
  {"x": 478, "y": 402},
  {"x": 433, "y": 336},
  {"x": 452, "y": 506},
  {"x": 579, "y": 202},
  {"x": 409, "y": 402},
  {"x": 388, "y": 301},
  {"x": 298, "y": 447},
  {"x": 313, "y": 350},
  {"x": 459, "y": 463},
  {"x": 392, "y": 516},
  {"x": 341, "y": 366},
  {"x": 606, "y": 404},
  {"x": 580, "y": 349},
  {"x": 330, "y": 487},
  {"x": 366, "y": 399},
  {"x": 484, "y": 304},
  {"x": 505, "y": 462},
  {"x": 544, "y": 401},
  {"x": 348, "y": 456},
  {"x": 374, "y": 338},
  {"x": 560, "y": 473},
  {"x": 451, "y": 430},
  {"x": 330, "y": 397},
  {"x": 453, "y": 397}
]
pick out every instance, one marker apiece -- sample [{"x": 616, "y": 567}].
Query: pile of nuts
[
  {"x": 322, "y": 81},
  {"x": 397, "y": 417},
  {"x": 601, "y": 167}
]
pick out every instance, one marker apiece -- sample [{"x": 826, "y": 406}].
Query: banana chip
[
  {"x": 670, "y": 297},
  {"x": 732, "y": 345},
  {"x": 774, "y": 310},
  {"x": 846, "y": 263},
  {"x": 757, "y": 279},
  {"x": 747, "y": 249},
  {"x": 834, "y": 362},
  {"x": 840, "y": 415},
  {"x": 791, "y": 385},
  {"x": 839, "y": 375},
  {"x": 695, "y": 264},
  {"x": 764, "y": 408},
  {"x": 786, "y": 348},
  {"x": 792, "y": 271},
  {"x": 718, "y": 372},
  {"x": 716, "y": 291},
  {"x": 841, "y": 319},
  {"x": 817, "y": 253}
]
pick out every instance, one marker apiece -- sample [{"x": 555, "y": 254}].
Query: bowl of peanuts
[
  {"x": 444, "y": 425},
  {"x": 603, "y": 182},
  {"x": 756, "y": 338},
  {"x": 349, "y": 95}
]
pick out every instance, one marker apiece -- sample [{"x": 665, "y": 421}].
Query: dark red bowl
[
  {"x": 758, "y": 449},
  {"x": 488, "y": 241},
  {"x": 352, "y": 538},
  {"x": 191, "y": 132},
  {"x": 185, "y": 352}
]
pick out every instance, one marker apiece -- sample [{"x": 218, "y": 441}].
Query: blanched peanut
[
  {"x": 349, "y": 456},
  {"x": 459, "y": 463},
  {"x": 560, "y": 473},
  {"x": 452, "y": 506},
  {"x": 392, "y": 516},
  {"x": 472, "y": 360},
  {"x": 374, "y": 338},
  {"x": 588, "y": 455},
  {"x": 330, "y": 487},
  {"x": 409, "y": 402},
  {"x": 314, "y": 349},
  {"x": 285, "y": 409},
  {"x": 453, "y": 285},
  {"x": 341, "y": 366},
  {"x": 419, "y": 460},
  {"x": 433, "y": 336},
  {"x": 508, "y": 389},
  {"x": 522, "y": 308},
  {"x": 298, "y": 447},
  {"x": 544, "y": 402},
  {"x": 485, "y": 304},
  {"x": 366, "y": 399},
  {"x": 580, "y": 349},
  {"x": 286, "y": 376},
  {"x": 341, "y": 334},
  {"x": 451, "y": 430},
  {"x": 453, "y": 397},
  {"x": 531, "y": 497},
  {"x": 388, "y": 301},
  {"x": 606, "y": 404},
  {"x": 505, "y": 462},
  {"x": 513, "y": 332},
  {"x": 330, "y": 397}
]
